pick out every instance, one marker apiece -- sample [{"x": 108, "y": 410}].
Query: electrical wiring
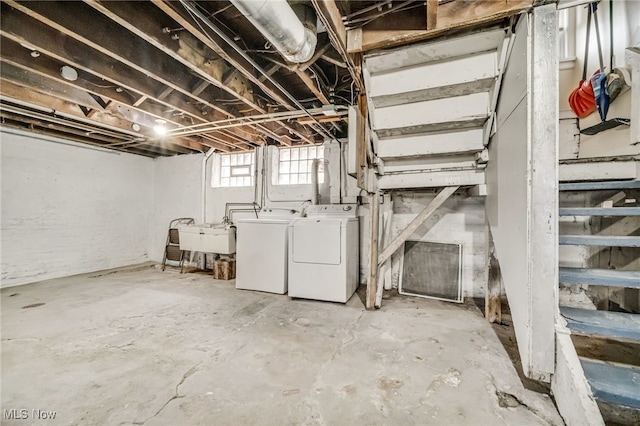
[{"x": 193, "y": 9}]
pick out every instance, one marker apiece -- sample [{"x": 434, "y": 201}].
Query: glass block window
[
  {"x": 294, "y": 164},
  {"x": 232, "y": 170},
  {"x": 567, "y": 34}
]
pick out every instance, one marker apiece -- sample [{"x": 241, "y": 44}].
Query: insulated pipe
[
  {"x": 205, "y": 159},
  {"x": 198, "y": 13},
  {"x": 315, "y": 191},
  {"x": 292, "y": 32}
]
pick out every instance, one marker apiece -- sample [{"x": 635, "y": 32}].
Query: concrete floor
[{"x": 142, "y": 346}]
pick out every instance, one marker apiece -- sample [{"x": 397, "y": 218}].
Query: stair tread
[
  {"x": 605, "y": 277},
  {"x": 600, "y": 240},
  {"x": 617, "y": 325},
  {"x": 613, "y": 383},
  {"x": 600, "y": 211},
  {"x": 600, "y": 185}
]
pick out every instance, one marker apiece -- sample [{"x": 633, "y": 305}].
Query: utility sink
[{"x": 208, "y": 238}]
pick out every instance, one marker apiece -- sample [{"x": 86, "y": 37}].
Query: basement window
[
  {"x": 294, "y": 165},
  {"x": 567, "y": 38},
  {"x": 233, "y": 170}
]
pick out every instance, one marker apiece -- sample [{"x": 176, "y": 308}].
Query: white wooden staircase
[{"x": 432, "y": 108}]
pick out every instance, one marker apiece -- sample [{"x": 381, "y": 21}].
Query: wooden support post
[
  {"x": 374, "y": 220},
  {"x": 384, "y": 273},
  {"x": 442, "y": 196},
  {"x": 361, "y": 143},
  {"x": 492, "y": 301},
  {"x": 432, "y": 14}
]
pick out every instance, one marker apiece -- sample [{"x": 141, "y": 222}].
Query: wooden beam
[
  {"x": 226, "y": 52},
  {"x": 162, "y": 95},
  {"x": 46, "y": 70},
  {"x": 105, "y": 37},
  {"x": 397, "y": 242},
  {"x": 15, "y": 90},
  {"x": 218, "y": 45},
  {"x": 408, "y": 27},
  {"x": 143, "y": 20},
  {"x": 384, "y": 273},
  {"x": 45, "y": 126},
  {"x": 140, "y": 100},
  {"x": 199, "y": 88},
  {"x": 374, "y": 220},
  {"x": 318, "y": 53},
  {"x": 321, "y": 119},
  {"x": 362, "y": 142},
  {"x": 21, "y": 28},
  {"x": 332, "y": 58},
  {"x": 492, "y": 301},
  {"x": 313, "y": 86},
  {"x": 330, "y": 16},
  {"x": 432, "y": 14},
  {"x": 269, "y": 71}
]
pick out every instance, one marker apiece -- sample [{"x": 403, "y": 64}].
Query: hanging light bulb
[{"x": 160, "y": 127}]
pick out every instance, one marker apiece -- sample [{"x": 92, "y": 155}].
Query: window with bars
[
  {"x": 294, "y": 164},
  {"x": 233, "y": 170}
]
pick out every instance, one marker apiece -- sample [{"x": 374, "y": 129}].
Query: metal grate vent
[{"x": 432, "y": 270}]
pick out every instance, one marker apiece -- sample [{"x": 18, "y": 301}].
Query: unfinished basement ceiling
[{"x": 107, "y": 73}]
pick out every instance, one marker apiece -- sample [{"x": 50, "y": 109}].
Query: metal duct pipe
[
  {"x": 315, "y": 190},
  {"x": 289, "y": 28}
]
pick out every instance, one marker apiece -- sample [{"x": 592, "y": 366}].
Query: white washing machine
[
  {"x": 261, "y": 251},
  {"x": 323, "y": 253}
]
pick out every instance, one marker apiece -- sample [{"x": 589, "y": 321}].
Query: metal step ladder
[
  {"x": 172, "y": 250},
  {"x": 613, "y": 384}
]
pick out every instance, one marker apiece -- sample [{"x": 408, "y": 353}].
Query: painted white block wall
[
  {"x": 626, "y": 15},
  {"x": 176, "y": 193},
  {"x": 70, "y": 209},
  {"x": 461, "y": 220}
]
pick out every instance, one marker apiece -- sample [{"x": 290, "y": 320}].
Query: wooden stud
[
  {"x": 455, "y": 15},
  {"x": 432, "y": 14},
  {"x": 269, "y": 71},
  {"x": 313, "y": 86},
  {"x": 492, "y": 305},
  {"x": 226, "y": 52},
  {"x": 361, "y": 143},
  {"x": 199, "y": 88},
  {"x": 319, "y": 52},
  {"x": 20, "y": 28},
  {"x": 374, "y": 220},
  {"x": 329, "y": 14},
  {"x": 442, "y": 196},
  {"x": 134, "y": 54},
  {"x": 140, "y": 100}
]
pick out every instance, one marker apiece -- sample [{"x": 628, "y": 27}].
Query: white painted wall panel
[
  {"x": 432, "y": 144},
  {"x": 507, "y": 212},
  {"x": 522, "y": 189},
  {"x": 68, "y": 210},
  {"x": 458, "y": 70},
  {"x": 459, "y": 108}
]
